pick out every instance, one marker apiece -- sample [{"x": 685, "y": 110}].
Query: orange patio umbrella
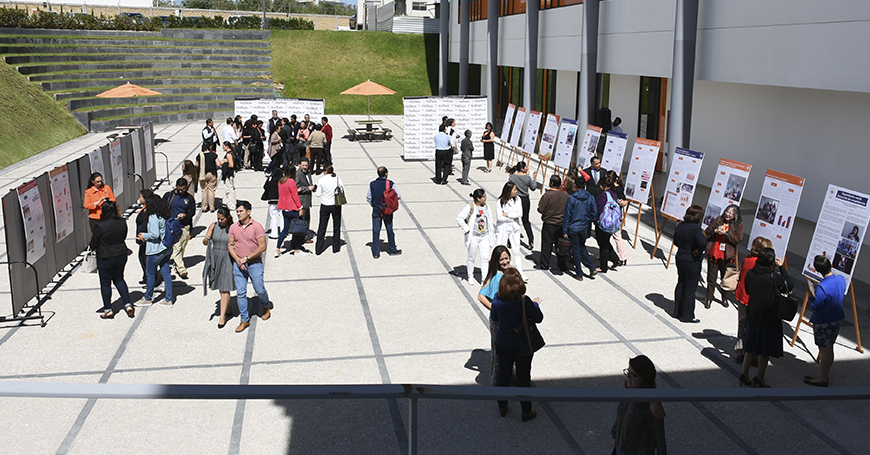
[
  {"x": 128, "y": 90},
  {"x": 368, "y": 88}
]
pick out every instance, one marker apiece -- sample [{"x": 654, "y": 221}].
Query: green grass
[
  {"x": 33, "y": 121},
  {"x": 322, "y": 64}
]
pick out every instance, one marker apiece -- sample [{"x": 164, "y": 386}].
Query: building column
[
  {"x": 444, "y": 47},
  {"x": 492, "y": 87},
  {"x": 464, "y": 24},
  {"x": 530, "y": 76},
  {"x": 588, "y": 67},
  {"x": 683, "y": 77}
]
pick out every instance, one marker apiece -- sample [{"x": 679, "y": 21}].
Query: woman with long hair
[
  {"x": 507, "y": 217},
  {"x": 764, "y": 327},
  {"x": 691, "y": 244},
  {"x": 157, "y": 254},
  {"x": 291, "y": 208},
  {"x": 301, "y": 141},
  {"x": 524, "y": 183},
  {"x": 488, "y": 141},
  {"x": 758, "y": 244},
  {"x": 621, "y": 250},
  {"x": 189, "y": 173},
  {"x": 508, "y": 309},
  {"x": 109, "y": 241},
  {"x": 142, "y": 226},
  {"x": 723, "y": 236},
  {"x": 477, "y": 223},
  {"x": 639, "y": 427},
  {"x": 327, "y": 188},
  {"x": 606, "y": 255},
  {"x": 228, "y": 175},
  {"x": 217, "y": 272},
  {"x": 499, "y": 261},
  {"x": 96, "y": 194}
]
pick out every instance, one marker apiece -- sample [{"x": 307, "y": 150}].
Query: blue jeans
[
  {"x": 581, "y": 254},
  {"x": 289, "y": 215},
  {"x": 112, "y": 271},
  {"x": 154, "y": 262},
  {"x": 376, "y": 233},
  {"x": 255, "y": 273}
]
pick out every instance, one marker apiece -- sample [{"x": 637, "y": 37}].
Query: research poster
[
  {"x": 149, "y": 147},
  {"x": 117, "y": 167},
  {"x": 508, "y": 122},
  {"x": 422, "y": 117},
  {"x": 286, "y": 107},
  {"x": 530, "y": 139},
  {"x": 728, "y": 187},
  {"x": 34, "y": 220},
  {"x": 96, "y": 160},
  {"x": 614, "y": 151},
  {"x": 640, "y": 170},
  {"x": 777, "y": 209},
  {"x": 137, "y": 155},
  {"x": 682, "y": 182},
  {"x": 61, "y": 202},
  {"x": 565, "y": 143},
  {"x": 548, "y": 137},
  {"x": 839, "y": 232},
  {"x": 519, "y": 122},
  {"x": 590, "y": 145}
]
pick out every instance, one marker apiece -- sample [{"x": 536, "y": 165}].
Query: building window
[
  {"x": 510, "y": 88},
  {"x": 418, "y": 6},
  {"x": 545, "y": 101}
]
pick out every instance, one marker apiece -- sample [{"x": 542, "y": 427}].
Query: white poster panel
[
  {"x": 416, "y": 131},
  {"x": 614, "y": 151},
  {"x": 565, "y": 143},
  {"x": 117, "y": 167},
  {"x": 682, "y": 182},
  {"x": 548, "y": 138},
  {"x": 518, "y": 127},
  {"x": 508, "y": 122},
  {"x": 470, "y": 114},
  {"x": 61, "y": 202},
  {"x": 777, "y": 209},
  {"x": 149, "y": 147},
  {"x": 34, "y": 220},
  {"x": 530, "y": 139},
  {"x": 728, "y": 187},
  {"x": 590, "y": 145},
  {"x": 96, "y": 160},
  {"x": 422, "y": 117},
  {"x": 137, "y": 155},
  {"x": 640, "y": 170},
  {"x": 286, "y": 107},
  {"x": 841, "y": 227}
]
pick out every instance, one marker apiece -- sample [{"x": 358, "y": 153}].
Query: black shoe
[
  {"x": 744, "y": 381},
  {"x": 540, "y": 267},
  {"x": 808, "y": 381},
  {"x": 592, "y": 274},
  {"x": 376, "y": 255},
  {"x": 395, "y": 253},
  {"x": 757, "y": 383}
]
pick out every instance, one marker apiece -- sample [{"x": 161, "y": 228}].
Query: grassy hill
[
  {"x": 32, "y": 121},
  {"x": 322, "y": 64}
]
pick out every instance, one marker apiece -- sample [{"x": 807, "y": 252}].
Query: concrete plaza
[{"x": 348, "y": 318}]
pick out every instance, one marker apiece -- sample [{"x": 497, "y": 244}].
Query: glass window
[{"x": 418, "y": 6}]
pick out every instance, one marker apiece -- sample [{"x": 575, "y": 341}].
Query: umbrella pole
[{"x": 369, "y": 98}]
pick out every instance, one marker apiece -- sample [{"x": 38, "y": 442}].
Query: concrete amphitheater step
[
  {"x": 148, "y": 72},
  {"x": 215, "y": 34},
  {"x": 145, "y": 82},
  {"x": 73, "y": 66},
  {"x": 212, "y": 105},
  {"x": 97, "y": 48},
  {"x": 61, "y": 58},
  {"x": 45, "y": 41},
  {"x": 96, "y": 33},
  {"x": 248, "y": 90},
  {"x": 108, "y": 125},
  {"x": 107, "y": 103}
]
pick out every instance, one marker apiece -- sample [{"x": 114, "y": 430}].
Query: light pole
[{"x": 263, "y": 25}]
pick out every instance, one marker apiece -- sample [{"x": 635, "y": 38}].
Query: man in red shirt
[
  {"x": 247, "y": 243},
  {"x": 327, "y": 149}
]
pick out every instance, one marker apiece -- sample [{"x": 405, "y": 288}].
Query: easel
[
  {"x": 499, "y": 162},
  {"x": 812, "y": 282},
  {"x": 640, "y": 212},
  {"x": 659, "y": 232},
  {"x": 510, "y": 158},
  {"x": 545, "y": 164}
]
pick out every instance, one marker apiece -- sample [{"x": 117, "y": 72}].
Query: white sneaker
[
  {"x": 303, "y": 253},
  {"x": 144, "y": 303},
  {"x": 166, "y": 303},
  {"x": 277, "y": 253}
]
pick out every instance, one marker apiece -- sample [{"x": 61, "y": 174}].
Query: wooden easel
[
  {"x": 510, "y": 159},
  {"x": 640, "y": 212},
  {"x": 499, "y": 162},
  {"x": 545, "y": 164},
  {"x": 659, "y": 232},
  {"x": 812, "y": 282}
]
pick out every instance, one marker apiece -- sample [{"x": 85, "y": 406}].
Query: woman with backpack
[
  {"x": 157, "y": 253},
  {"x": 609, "y": 217},
  {"x": 507, "y": 216},
  {"x": 477, "y": 223}
]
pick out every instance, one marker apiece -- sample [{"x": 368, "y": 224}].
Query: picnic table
[{"x": 370, "y": 131}]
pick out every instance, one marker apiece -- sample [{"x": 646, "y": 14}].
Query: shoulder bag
[
  {"x": 786, "y": 301},
  {"x": 732, "y": 275},
  {"x": 340, "y": 197},
  {"x": 527, "y": 332},
  {"x": 89, "y": 264}
]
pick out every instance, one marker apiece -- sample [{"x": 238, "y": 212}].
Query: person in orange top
[
  {"x": 291, "y": 207},
  {"x": 742, "y": 297},
  {"x": 97, "y": 193}
]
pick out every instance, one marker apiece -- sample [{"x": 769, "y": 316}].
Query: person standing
[
  {"x": 183, "y": 207},
  {"x": 580, "y": 212},
  {"x": 467, "y": 148},
  {"x": 488, "y": 141},
  {"x": 326, "y": 189},
  {"x": 607, "y": 258},
  {"x": 96, "y": 194},
  {"x": 142, "y": 226},
  {"x": 499, "y": 261},
  {"x": 317, "y": 143},
  {"x": 616, "y": 128},
  {"x": 723, "y": 236},
  {"x": 621, "y": 251},
  {"x": 229, "y": 133},
  {"x": 443, "y": 155},
  {"x": 551, "y": 206},
  {"x": 758, "y": 244},
  {"x": 520, "y": 177},
  {"x": 327, "y": 148},
  {"x": 639, "y": 427},
  {"x": 275, "y": 147},
  {"x": 375, "y": 198},
  {"x": 507, "y": 216},
  {"x": 207, "y": 162},
  {"x": 691, "y": 244},
  {"x": 305, "y": 187},
  {"x": 209, "y": 135},
  {"x": 274, "y": 122},
  {"x": 157, "y": 253},
  {"x": 302, "y": 136},
  {"x": 290, "y": 206},
  {"x": 246, "y": 244},
  {"x": 596, "y": 174},
  {"x": 228, "y": 175},
  {"x": 477, "y": 223},
  {"x": 108, "y": 241},
  {"x": 827, "y": 303},
  {"x": 217, "y": 271},
  {"x": 274, "y": 218}
]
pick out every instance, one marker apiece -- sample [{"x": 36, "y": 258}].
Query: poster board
[
  {"x": 96, "y": 160},
  {"x": 137, "y": 153},
  {"x": 33, "y": 218},
  {"x": 565, "y": 143},
  {"x": 61, "y": 197},
  {"x": 286, "y": 107},
  {"x": 423, "y": 117},
  {"x": 682, "y": 182},
  {"x": 548, "y": 137},
  {"x": 641, "y": 169},
  {"x": 530, "y": 138},
  {"x": 614, "y": 151},
  {"x": 148, "y": 131},
  {"x": 839, "y": 232},
  {"x": 728, "y": 188},
  {"x": 777, "y": 209},
  {"x": 508, "y": 122},
  {"x": 589, "y": 146},
  {"x": 117, "y": 167},
  {"x": 519, "y": 122}
]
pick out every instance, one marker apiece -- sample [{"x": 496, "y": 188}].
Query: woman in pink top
[
  {"x": 302, "y": 138},
  {"x": 291, "y": 207}
]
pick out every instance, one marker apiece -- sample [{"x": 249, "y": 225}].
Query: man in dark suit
[
  {"x": 274, "y": 122},
  {"x": 305, "y": 186},
  {"x": 596, "y": 175}
]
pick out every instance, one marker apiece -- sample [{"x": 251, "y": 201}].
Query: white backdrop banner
[
  {"x": 286, "y": 107},
  {"x": 777, "y": 209},
  {"x": 423, "y": 116}
]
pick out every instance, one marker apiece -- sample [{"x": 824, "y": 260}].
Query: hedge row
[{"x": 16, "y": 18}]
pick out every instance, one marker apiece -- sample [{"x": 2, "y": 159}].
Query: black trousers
[
  {"x": 506, "y": 360},
  {"x": 688, "y": 273},
  {"x": 606, "y": 253},
  {"x": 549, "y": 234},
  {"x": 443, "y": 163},
  {"x": 530, "y": 235},
  {"x": 325, "y": 212}
]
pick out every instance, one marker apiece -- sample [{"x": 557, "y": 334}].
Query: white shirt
[
  {"x": 230, "y": 134},
  {"x": 514, "y": 211},
  {"x": 326, "y": 189}
]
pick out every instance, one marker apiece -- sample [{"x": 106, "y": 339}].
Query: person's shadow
[
  {"x": 481, "y": 361},
  {"x": 662, "y": 302}
]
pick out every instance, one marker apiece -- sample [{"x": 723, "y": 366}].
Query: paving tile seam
[{"x": 245, "y": 377}]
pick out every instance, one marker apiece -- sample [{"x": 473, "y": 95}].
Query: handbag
[
  {"x": 786, "y": 301},
  {"x": 298, "y": 226},
  {"x": 563, "y": 247},
  {"x": 89, "y": 264},
  {"x": 527, "y": 332},
  {"x": 340, "y": 197},
  {"x": 729, "y": 281}
]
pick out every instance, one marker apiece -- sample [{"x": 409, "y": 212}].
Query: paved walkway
[{"x": 347, "y": 318}]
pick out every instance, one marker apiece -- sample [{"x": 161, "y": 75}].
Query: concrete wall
[
  {"x": 566, "y": 94},
  {"x": 636, "y": 37}
]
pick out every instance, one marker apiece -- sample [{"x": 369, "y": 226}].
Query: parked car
[
  {"x": 351, "y": 23},
  {"x": 135, "y": 17}
]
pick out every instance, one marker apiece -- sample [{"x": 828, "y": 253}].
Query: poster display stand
[
  {"x": 563, "y": 154},
  {"x": 505, "y": 132},
  {"x": 728, "y": 188},
  {"x": 777, "y": 209},
  {"x": 801, "y": 320},
  {"x": 679, "y": 192},
  {"x": 589, "y": 147},
  {"x": 530, "y": 138},
  {"x": 614, "y": 151},
  {"x": 548, "y": 144}
]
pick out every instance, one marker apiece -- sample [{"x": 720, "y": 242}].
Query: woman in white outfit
[
  {"x": 477, "y": 223},
  {"x": 508, "y": 215}
]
